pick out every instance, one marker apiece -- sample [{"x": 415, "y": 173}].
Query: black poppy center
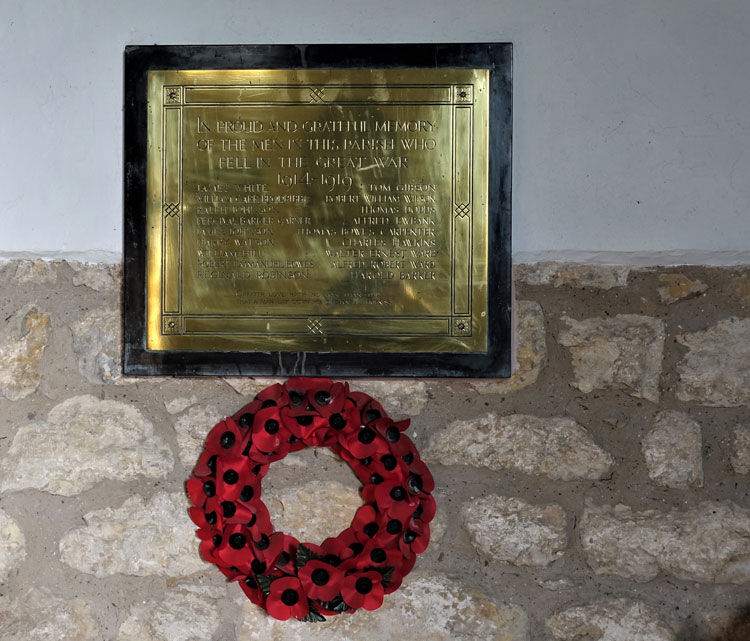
[
  {"x": 378, "y": 555},
  {"x": 337, "y": 422},
  {"x": 371, "y": 529},
  {"x": 247, "y": 493},
  {"x": 394, "y": 526},
  {"x": 283, "y": 559},
  {"x": 211, "y": 518},
  {"x": 296, "y": 398},
  {"x": 251, "y": 582},
  {"x": 258, "y": 567},
  {"x": 388, "y": 461},
  {"x": 228, "y": 509},
  {"x": 320, "y": 576},
  {"x": 289, "y": 597},
  {"x": 363, "y": 585},
  {"x": 376, "y": 479},
  {"x": 392, "y": 434},
  {"x": 246, "y": 420},
  {"x": 231, "y": 477},
  {"x": 408, "y": 458},
  {"x": 398, "y": 493},
  {"x": 409, "y": 536},
  {"x": 366, "y": 436},
  {"x": 251, "y": 522},
  {"x": 332, "y": 559},
  {"x": 322, "y": 398},
  {"x": 212, "y": 463},
  {"x": 268, "y": 403},
  {"x": 227, "y": 439},
  {"x": 271, "y": 426},
  {"x": 304, "y": 420},
  {"x": 263, "y": 543},
  {"x": 415, "y": 483},
  {"x": 216, "y": 540},
  {"x": 209, "y": 489},
  {"x": 372, "y": 415},
  {"x": 237, "y": 541},
  {"x": 356, "y": 548},
  {"x": 366, "y": 461}
]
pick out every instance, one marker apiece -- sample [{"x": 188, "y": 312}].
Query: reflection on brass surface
[{"x": 318, "y": 210}]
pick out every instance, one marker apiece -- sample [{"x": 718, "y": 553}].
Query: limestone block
[
  {"x": 673, "y": 451},
  {"x": 577, "y": 275},
  {"x": 428, "y": 608},
  {"x": 623, "y": 352},
  {"x": 512, "y": 530},
  {"x": 530, "y": 352},
  {"x": 716, "y": 369},
  {"x": 184, "y": 614},
  {"x": 314, "y": 510},
  {"x": 709, "y": 543},
  {"x": 741, "y": 453},
  {"x": 39, "y": 615},
  {"x": 609, "y": 620},
  {"x": 179, "y": 404},
  {"x": 192, "y": 429},
  {"x": 678, "y": 286},
  {"x": 140, "y": 538},
  {"x": 83, "y": 441},
  {"x": 23, "y": 338},
  {"x": 12, "y": 545},
  {"x": 400, "y": 398},
  {"x": 39, "y": 272},
  {"x": 99, "y": 277},
  {"x": 97, "y": 345},
  {"x": 556, "y": 447}
]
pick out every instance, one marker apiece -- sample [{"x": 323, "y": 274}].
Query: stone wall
[{"x": 601, "y": 493}]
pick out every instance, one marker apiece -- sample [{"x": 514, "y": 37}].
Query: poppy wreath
[{"x": 344, "y": 573}]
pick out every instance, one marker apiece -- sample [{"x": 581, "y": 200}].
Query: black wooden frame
[{"x": 496, "y": 362}]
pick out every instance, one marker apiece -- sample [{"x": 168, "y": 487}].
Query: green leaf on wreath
[
  {"x": 305, "y": 554},
  {"x": 313, "y": 616},
  {"x": 264, "y": 582},
  {"x": 336, "y": 604},
  {"x": 387, "y": 575}
]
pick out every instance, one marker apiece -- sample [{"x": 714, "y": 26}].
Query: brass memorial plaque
[
  {"x": 332, "y": 210},
  {"x": 318, "y": 210}
]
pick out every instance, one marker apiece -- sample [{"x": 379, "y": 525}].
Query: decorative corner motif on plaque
[
  {"x": 316, "y": 95},
  {"x": 172, "y": 95},
  {"x": 462, "y": 326},
  {"x": 462, "y": 210},
  {"x": 170, "y": 325},
  {"x": 171, "y": 209},
  {"x": 315, "y": 326},
  {"x": 463, "y": 94}
]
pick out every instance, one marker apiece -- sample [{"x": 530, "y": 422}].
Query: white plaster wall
[{"x": 631, "y": 131}]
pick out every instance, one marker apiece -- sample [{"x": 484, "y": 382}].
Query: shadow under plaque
[{"x": 333, "y": 210}]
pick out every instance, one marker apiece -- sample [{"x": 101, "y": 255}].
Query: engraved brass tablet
[{"x": 320, "y": 210}]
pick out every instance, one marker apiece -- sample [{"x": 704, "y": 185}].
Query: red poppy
[
  {"x": 273, "y": 395},
  {"x": 363, "y": 590},
  {"x": 287, "y": 599},
  {"x": 250, "y": 587},
  {"x": 226, "y": 439},
  {"x": 394, "y": 499},
  {"x": 320, "y": 580},
  {"x": 286, "y": 561},
  {"x": 422, "y": 480},
  {"x": 415, "y": 538}
]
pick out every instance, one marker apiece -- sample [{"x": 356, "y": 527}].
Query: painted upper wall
[{"x": 631, "y": 123}]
